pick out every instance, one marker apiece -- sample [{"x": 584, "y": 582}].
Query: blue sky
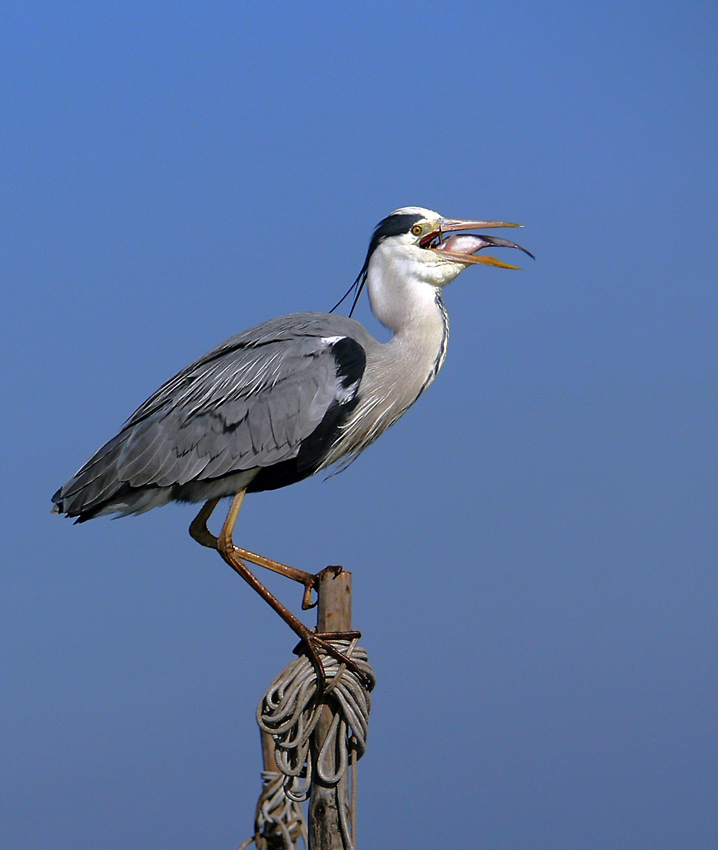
[{"x": 533, "y": 545}]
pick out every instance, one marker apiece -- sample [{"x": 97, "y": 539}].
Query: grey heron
[{"x": 289, "y": 397}]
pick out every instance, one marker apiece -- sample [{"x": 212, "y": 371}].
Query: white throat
[
  {"x": 405, "y": 286},
  {"x": 405, "y": 295}
]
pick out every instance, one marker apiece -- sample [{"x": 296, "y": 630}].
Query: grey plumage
[
  {"x": 293, "y": 395},
  {"x": 250, "y": 404}
]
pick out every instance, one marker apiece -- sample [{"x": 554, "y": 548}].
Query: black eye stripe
[{"x": 393, "y": 225}]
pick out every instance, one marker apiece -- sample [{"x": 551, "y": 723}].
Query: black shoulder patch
[{"x": 351, "y": 360}]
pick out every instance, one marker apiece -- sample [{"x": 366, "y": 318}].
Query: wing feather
[{"x": 250, "y": 403}]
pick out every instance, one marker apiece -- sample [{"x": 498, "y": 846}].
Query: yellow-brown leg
[
  {"x": 232, "y": 555},
  {"x": 198, "y": 527},
  {"x": 199, "y": 532}
]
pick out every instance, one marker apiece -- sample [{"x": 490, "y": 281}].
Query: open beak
[{"x": 462, "y": 248}]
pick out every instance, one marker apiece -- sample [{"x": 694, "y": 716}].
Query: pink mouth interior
[{"x": 462, "y": 243}]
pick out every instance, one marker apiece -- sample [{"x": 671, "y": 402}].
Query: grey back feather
[{"x": 249, "y": 403}]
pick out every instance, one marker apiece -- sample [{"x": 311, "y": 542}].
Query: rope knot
[{"x": 292, "y": 706}]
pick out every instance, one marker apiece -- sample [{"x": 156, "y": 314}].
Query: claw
[
  {"x": 307, "y": 597},
  {"x": 323, "y": 639},
  {"x": 307, "y": 603},
  {"x": 306, "y": 646}
]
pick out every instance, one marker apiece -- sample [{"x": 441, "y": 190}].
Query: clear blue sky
[{"x": 534, "y": 545}]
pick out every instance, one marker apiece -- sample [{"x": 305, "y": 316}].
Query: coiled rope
[
  {"x": 277, "y": 817},
  {"x": 290, "y": 711}
]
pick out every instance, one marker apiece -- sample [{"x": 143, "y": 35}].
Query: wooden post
[
  {"x": 270, "y": 762},
  {"x": 334, "y": 614},
  {"x": 268, "y": 838}
]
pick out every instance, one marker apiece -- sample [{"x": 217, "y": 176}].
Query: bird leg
[
  {"x": 198, "y": 527},
  {"x": 232, "y": 555},
  {"x": 199, "y": 532}
]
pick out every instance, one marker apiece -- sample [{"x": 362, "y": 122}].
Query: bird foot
[
  {"x": 310, "y": 583},
  {"x": 322, "y": 640}
]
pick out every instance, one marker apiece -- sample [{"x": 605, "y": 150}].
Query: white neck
[
  {"x": 406, "y": 302},
  {"x": 406, "y": 299},
  {"x": 403, "y": 289}
]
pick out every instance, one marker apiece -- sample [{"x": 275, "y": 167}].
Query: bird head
[
  {"x": 439, "y": 246},
  {"x": 414, "y": 243}
]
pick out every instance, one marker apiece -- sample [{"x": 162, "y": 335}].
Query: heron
[{"x": 288, "y": 398}]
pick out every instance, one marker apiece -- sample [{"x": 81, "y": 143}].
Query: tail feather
[{"x": 92, "y": 486}]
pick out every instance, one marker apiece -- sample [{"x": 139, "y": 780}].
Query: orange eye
[{"x": 417, "y": 230}]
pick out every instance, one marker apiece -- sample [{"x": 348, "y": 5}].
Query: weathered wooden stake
[
  {"x": 268, "y": 838},
  {"x": 334, "y": 614},
  {"x": 270, "y": 763}
]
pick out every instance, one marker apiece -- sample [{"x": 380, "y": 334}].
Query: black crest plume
[{"x": 393, "y": 225}]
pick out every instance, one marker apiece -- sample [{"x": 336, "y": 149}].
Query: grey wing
[{"x": 252, "y": 403}]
